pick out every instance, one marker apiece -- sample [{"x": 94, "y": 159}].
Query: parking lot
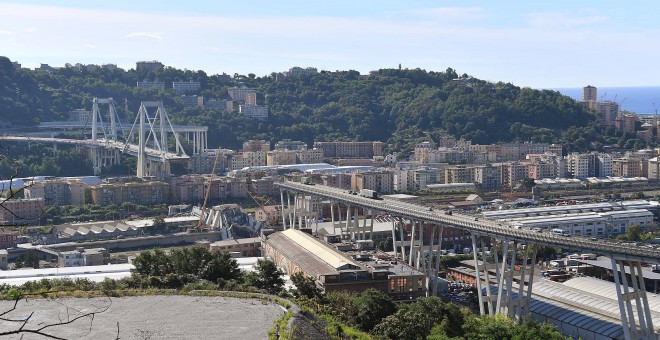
[{"x": 146, "y": 317}]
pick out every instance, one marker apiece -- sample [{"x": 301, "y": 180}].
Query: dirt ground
[{"x": 146, "y": 317}]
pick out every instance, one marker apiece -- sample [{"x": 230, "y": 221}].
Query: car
[
  {"x": 476, "y": 218},
  {"x": 538, "y": 230}
]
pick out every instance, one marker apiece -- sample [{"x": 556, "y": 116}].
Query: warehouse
[{"x": 299, "y": 252}]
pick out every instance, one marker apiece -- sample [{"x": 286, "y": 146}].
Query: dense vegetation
[{"x": 394, "y": 106}]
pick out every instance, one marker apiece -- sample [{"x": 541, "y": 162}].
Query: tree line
[{"x": 395, "y": 106}]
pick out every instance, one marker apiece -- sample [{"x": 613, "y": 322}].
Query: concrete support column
[
  {"x": 625, "y": 297},
  {"x": 401, "y": 236},
  {"x": 412, "y": 243},
  {"x": 283, "y": 209},
  {"x": 477, "y": 274},
  {"x": 393, "y": 237}
]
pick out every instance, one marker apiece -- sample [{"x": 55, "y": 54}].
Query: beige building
[
  {"x": 22, "y": 211},
  {"x": 248, "y": 159},
  {"x": 271, "y": 214},
  {"x": 589, "y": 93},
  {"x": 629, "y": 166},
  {"x": 57, "y": 192},
  {"x": 255, "y": 145},
  {"x": 144, "y": 192},
  {"x": 350, "y": 149},
  {"x": 282, "y": 157},
  {"x": 251, "y": 98},
  {"x": 460, "y": 174},
  {"x": 311, "y": 156},
  {"x": 654, "y": 168},
  {"x": 8, "y": 239},
  {"x": 380, "y": 181},
  {"x": 288, "y": 144},
  {"x": 298, "y": 252},
  {"x": 239, "y": 93}
]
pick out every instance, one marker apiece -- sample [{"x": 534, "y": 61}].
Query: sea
[{"x": 639, "y": 100}]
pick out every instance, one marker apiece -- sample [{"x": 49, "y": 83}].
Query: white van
[{"x": 561, "y": 232}]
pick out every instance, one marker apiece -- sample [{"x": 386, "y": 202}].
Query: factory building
[{"x": 299, "y": 252}]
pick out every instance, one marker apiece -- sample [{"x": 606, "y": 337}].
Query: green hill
[{"x": 394, "y": 106}]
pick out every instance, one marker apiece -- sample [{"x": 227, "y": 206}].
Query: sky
[{"x": 540, "y": 44}]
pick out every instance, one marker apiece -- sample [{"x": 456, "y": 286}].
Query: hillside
[{"x": 394, "y": 106}]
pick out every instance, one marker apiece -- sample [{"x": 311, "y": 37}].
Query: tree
[
  {"x": 372, "y": 306},
  {"x": 267, "y": 277},
  {"x": 633, "y": 233},
  {"x": 415, "y": 321},
  {"x": 305, "y": 286},
  {"x": 500, "y": 327},
  {"x": 159, "y": 223}
]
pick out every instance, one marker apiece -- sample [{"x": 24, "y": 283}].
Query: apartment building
[
  {"x": 148, "y": 66},
  {"x": 256, "y": 145},
  {"x": 271, "y": 214},
  {"x": 239, "y": 93},
  {"x": 143, "y": 192},
  {"x": 459, "y": 174},
  {"x": 22, "y": 211},
  {"x": 217, "y": 104},
  {"x": 380, "y": 181},
  {"x": 629, "y": 166},
  {"x": 288, "y": 144},
  {"x": 147, "y": 84},
  {"x": 281, "y": 157},
  {"x": 654, "y": 169},
  {"x": 350, "y": 149},
  {"x": 57, "y": 191},
  {"x": 488, "y": 177},
  {"x": 297, "y": 71},
  {"x": 192, "y": 100},
  {"x": 251, "y": 98},
  {"x": 513, "y": 173},
  {"x": 248, "y": 159},
  {"x": 337, "y": 180},
  {"x": 311, "y": 156},
  {"x": 264, "y": 186},
  {"x": 626, "y": 122},
  {"x": 254, "y": 111},
  {"x": 182, "y": 87},
  {"x": 8, "y": 239},
  {"x": 423, "y": 176}
]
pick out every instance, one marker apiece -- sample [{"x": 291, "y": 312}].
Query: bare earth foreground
[{"x": 147, "y": 317}]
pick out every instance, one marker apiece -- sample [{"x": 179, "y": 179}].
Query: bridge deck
[
  {"x": 68, "y": 125},
  {"x": 479, "y": 224},
  {"x": 152, "y": 154}
]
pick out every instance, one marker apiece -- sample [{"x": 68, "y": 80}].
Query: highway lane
[{"x": 478, "y": 224}]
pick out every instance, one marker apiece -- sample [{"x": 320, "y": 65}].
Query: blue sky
[{"x": 529, "y": 43}]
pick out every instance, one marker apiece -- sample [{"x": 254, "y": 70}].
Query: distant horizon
[{"x": 559, "y": 44}]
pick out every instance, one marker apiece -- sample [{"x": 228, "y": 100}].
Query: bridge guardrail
[{"x": 482, "y": 225}]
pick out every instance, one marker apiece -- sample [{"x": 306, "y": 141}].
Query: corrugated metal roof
[{"x": 328, "y": 256}]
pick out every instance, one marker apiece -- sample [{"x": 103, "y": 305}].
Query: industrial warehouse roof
[
  {"x": 93, "y": 273},
  {"x": 311, "y": 260},
  {"x": 572, "y": 218},
  {"x": 606, "y": 263},
  {"x": 562, "y": 209},
  {"x": 580, "y": 307},
  {"x": 325, "y": 253},
  {"x": 592, "y": 295}
]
